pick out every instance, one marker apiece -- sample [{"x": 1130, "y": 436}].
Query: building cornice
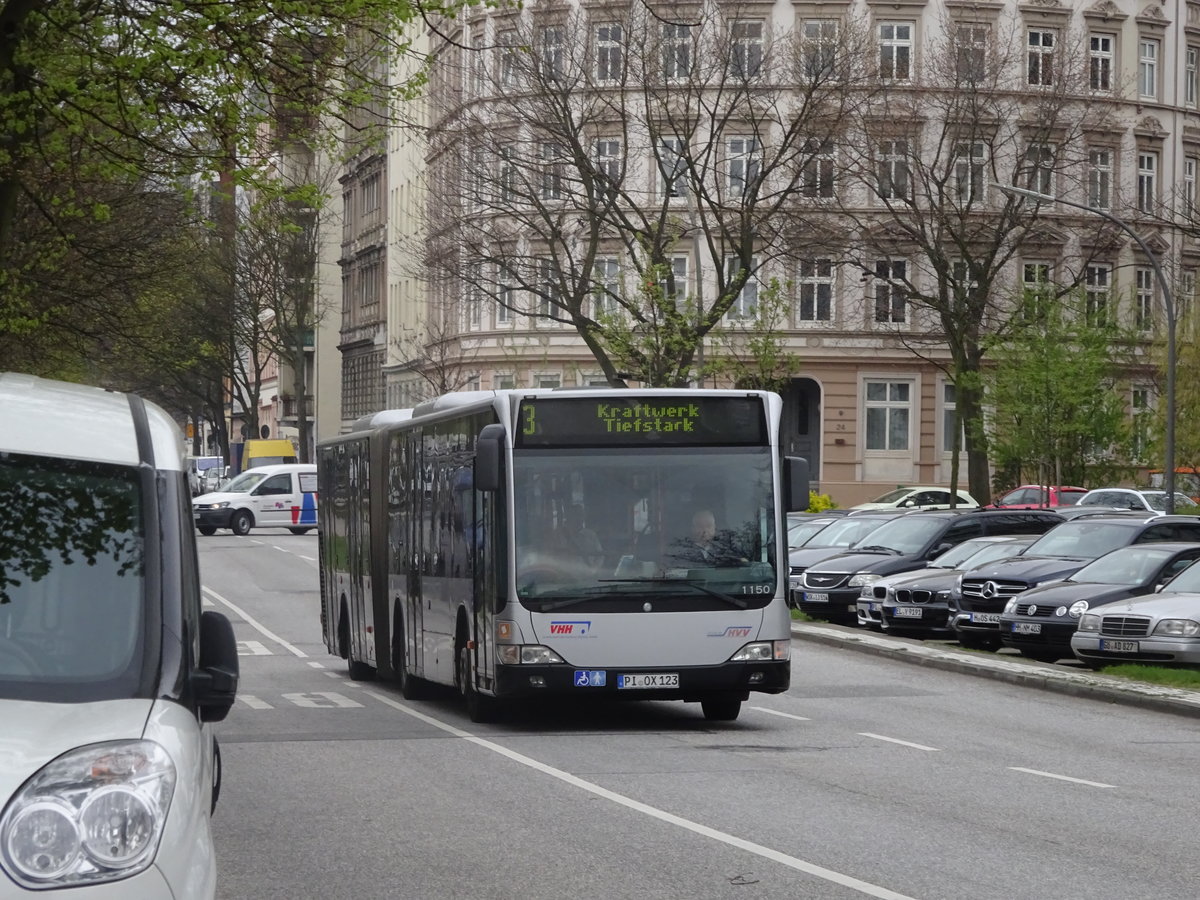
[
  {"x": 1105, "y": 11},
  {"x": 1045, "y": 11}
]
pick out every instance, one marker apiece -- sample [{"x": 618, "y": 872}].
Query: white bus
[{"x": 523, "y": 544}]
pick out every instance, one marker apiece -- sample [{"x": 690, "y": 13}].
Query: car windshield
[
  {"x": 893, "y": 496},
  {"x": 1069, "y": 498},
  {"x": 244, "y": 483},
  {"x": 905, "y": 536},
  {"x": 1186, "y": 581},
  {"x": 845, "y": 533},
  {"x": 610, "y": 523},
  {"x": 1158, "y": 500},
  {"x": 802, "y": 532},
  {"x": 1127, "y": 565},
  {"x": 1081, "y": 538},
  {"x": 71, "y": 579},
  {"x": 970, "y": 554}
]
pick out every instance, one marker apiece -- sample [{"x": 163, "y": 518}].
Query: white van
[
  {"x": 281, "y": 496},
  {"x": 110, "y": 673}
]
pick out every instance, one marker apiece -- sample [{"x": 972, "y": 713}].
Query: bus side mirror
[
  {"x": 489, "y": 451},
  {"x": 795, "y": 483}
]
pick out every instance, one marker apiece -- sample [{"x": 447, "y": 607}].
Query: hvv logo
[
  {"x": 739, "y": 631},
  {"x": 570, "y": 629}
]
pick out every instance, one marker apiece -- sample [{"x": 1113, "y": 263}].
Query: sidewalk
[{"x": 1013, "y": 669}]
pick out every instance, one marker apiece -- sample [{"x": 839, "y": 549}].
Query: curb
[{"x": 1027, "y": 673}]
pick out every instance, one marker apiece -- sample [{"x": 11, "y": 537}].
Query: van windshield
[
  {"x": 245, "y": 483},
  {"x": 71, "y": 579}
]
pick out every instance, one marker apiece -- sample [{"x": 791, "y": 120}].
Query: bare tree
[
  {"x": 642, "y": 168},
  {"x": 925, "y": 221}
]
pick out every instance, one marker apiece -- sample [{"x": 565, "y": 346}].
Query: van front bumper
[{"x": 215, "y": 518}]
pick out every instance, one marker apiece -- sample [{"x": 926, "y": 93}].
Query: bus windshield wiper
[{"x": 731, "y": 600}]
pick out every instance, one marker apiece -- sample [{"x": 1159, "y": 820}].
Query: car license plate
[
  {"x": 648, "y": 680},
  {"x": 872, "y": 607},
  {"x": 906, "y": 612},
  {"x": 1026, "y": 627},
  {"x": 1119, "y": 646},
  {"x": 986, "y": 618},
  {"x": 810, "y": 597}
]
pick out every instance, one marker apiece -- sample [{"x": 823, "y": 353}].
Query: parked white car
[
  {"x": 279, "y": 496},
  {"x": 920, "y": 497},
  {"x": 1153, "y": 502},
  {"x": 110, "y": 672}
]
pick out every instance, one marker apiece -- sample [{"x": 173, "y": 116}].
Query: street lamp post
[{"x": 1168, "y": 306}]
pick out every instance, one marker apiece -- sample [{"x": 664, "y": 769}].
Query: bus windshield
[{"x": 675, "y": 521}]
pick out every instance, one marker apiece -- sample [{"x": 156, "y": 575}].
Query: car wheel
[
  {"x": 207, "y": 530},
  {"x": 299, "y": 530},
  {"x": 242, "y": 522},
  {"x": 721, "y": 709}
]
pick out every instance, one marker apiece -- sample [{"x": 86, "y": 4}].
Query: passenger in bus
[{"x": 578, "y": 542}]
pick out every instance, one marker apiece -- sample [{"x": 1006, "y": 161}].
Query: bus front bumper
[{"x": 643, "y": 683}]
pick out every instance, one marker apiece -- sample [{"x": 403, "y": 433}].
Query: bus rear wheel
[
  {"x": 479, "y": 707},
  {"x": 721, "y": 709}
]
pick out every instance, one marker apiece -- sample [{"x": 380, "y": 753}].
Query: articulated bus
[{"x": 591, "y": 542}]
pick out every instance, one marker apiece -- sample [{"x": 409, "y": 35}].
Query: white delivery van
[
  {"x": 110, "y": 673},
  {"x": 280, "y": 496}
]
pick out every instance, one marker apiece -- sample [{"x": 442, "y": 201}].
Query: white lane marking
[
  {"x": 847, "y": 881},
  {"x": 253, "y": 648},
  {"x": 317, "y": 665},
  {"x": 880, "y": 737},
  {"x": 332, "y": 674},
  {"x": 296, "y": 651},
  {"x": 776, "y": 712},
  {"x": 253, "y": 702},
  {"x": 1061, "y": 777},
  {"x": 309, "y": 558},
  {"x": 322, "y": 700}
]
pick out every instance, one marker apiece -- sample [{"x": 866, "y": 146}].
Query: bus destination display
[{"x": 573, "y": 422}]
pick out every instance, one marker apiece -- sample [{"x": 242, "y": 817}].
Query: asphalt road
[{"x": 871, "y": 777}]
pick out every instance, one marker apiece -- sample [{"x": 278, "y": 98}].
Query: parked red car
[{"x": 1039, "y": 496}]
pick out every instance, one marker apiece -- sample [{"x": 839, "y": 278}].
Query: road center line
[
  {"x": 1061, "y": 777},
  {"x": 270, "y": 635},
  {"x": 880, "y": 737},
  {"x": 847, "y": 881},
  {"x": 775, "y": 712}
]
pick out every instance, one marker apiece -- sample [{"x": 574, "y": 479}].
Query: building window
[
  {"x": 816, "y": 173},
  {"x": 371, "y": 193},
  {"x": 1144, "y": 299},
  {"x": 608, "y": 165},
  {"x": 971, "y": 45},
  {"x": 474, "y": 296},
  {"x": 1147, "y": 182},
  {"x": 968, "y": 172},
  {"x": 747, "y": 49},
  {"x": 1191, "y": 76},
  {"x": 1100, "y": 173},
  {"x": 552, "y": 171},
  {"x": 895, "y": 51},
  {"x": 1040, "y": 160},
  {"x": 606, "y": 288},
  {"x": 503, "y": 382},
  {"x": 1140, "y": 402},
  {"x": 889, "y": 411},
  {"x": 609, "y": 53},
  {"x": 1148, "y": 50},
  {"x": 552, "y": 53},
  {"x": 745, "y": 304},
  {"x": 818, "y": 49},
  {"x": 890, "y": 296},
  {"x": 506, "y": 46},
  {"x": 815, "y": 278},
  {"x": 676, "y": 289},
  {"x": 893, "y": 170},
  {"x": 506, "y": 295},
  {"x": 1189, "y": 186},
  {"x": 676, "y": 50},
  {"x": 1097, "y": 283},
  {"x": 949, "y": 414},
  {"x": 1035, "y": 279},
  {"x": 672, "y": 168},
  {"x": 547, "y": 381},
  {"x": 1100, "y": 62},
  {"x": 508, "y": 173},
  {"x": 1041, "y": 57},
  {"x": 549, "y": 290},
  {"x": 743, "y": 164}
]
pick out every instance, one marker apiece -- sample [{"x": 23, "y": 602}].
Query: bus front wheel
[
  {"x": 358, "y": 671},
  {"x": 479, "y": 707},
  {"x": 721, "y": 709}
]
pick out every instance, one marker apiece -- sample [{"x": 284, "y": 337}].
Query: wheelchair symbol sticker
[{"x": 584, "y": 678}]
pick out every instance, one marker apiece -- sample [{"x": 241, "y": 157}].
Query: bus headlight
[
  {"x": 764, "y": 651},
  {"x": 527, "y": 654},
  {"x": 95, "y": 814}
]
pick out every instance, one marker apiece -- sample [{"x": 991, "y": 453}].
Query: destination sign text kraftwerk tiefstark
[{"x": 641, "y": 421}]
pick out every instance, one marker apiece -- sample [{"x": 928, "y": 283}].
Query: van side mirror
[
  {"x": 489, "y": 454},
  {"x": 214, "y": 682},
  {"x": 795, "y": 483}
]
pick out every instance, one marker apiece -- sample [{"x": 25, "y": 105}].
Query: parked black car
[
  {"x": 919, "y": 601},
  {"x": 980, "y": 598},
  {"x": 831, "y": 540},
  {"x": 1039, "y": 622},
  {"x": 831, "y": 587}
]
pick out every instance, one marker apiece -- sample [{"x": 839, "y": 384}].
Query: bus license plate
[
  {"x": 1119, "y": 646},
  {"x": 648, "y": 680},
  {"x": 906, "y": 612},
  {"x": 810, "y": 597},
  {"x": 986, "y": 618},
  {"x": 1026, "y": 627}
]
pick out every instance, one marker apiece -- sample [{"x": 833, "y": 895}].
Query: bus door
[{"x": 362, "y": 615}]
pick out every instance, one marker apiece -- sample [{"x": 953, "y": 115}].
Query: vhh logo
[{"x": 571, "y": 629}]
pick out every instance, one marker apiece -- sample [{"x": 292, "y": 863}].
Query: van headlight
[
  {"x": 862, "y": 579},
  {"x": 94, "y": 814}
]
